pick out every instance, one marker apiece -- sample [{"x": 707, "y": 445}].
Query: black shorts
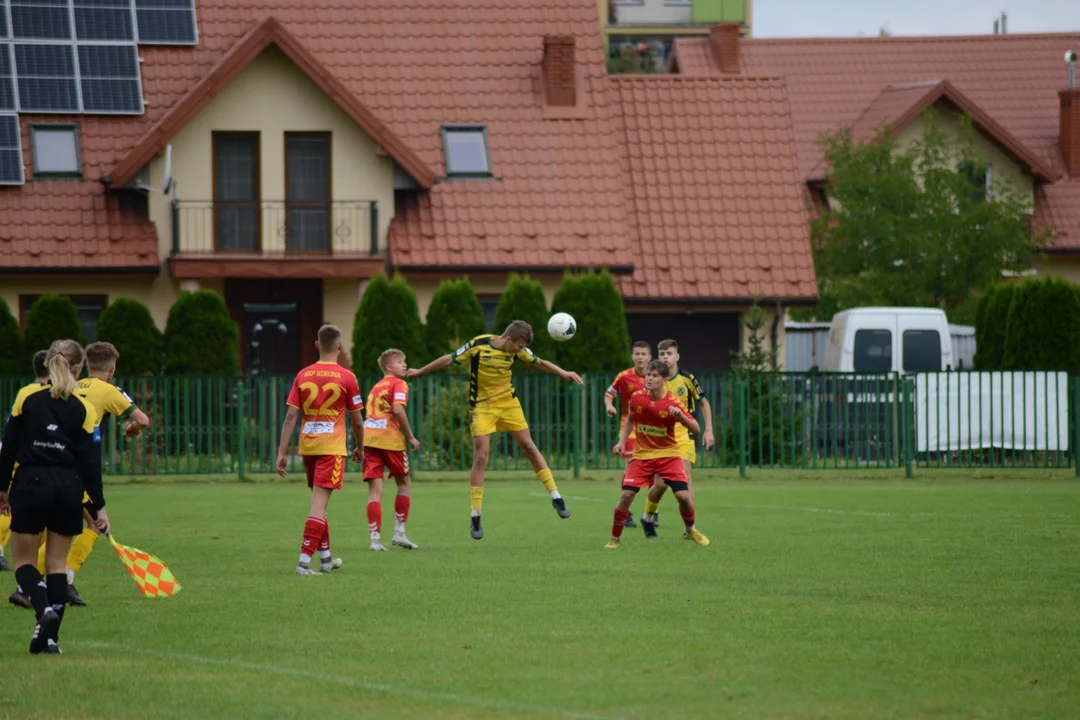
[
  {"x": 677, "y": 485},
  {"x": 46, "y": 498}
]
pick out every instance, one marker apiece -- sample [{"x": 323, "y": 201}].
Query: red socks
[
  {"x": 401, "y": 508},
  {"x": 374, "y": 516},
  {"x": 687, "y": 516},
  {"x": 621, "y": 517},
  {"x": 324, "y": 543},
  {"x": 314, "y": 529}
]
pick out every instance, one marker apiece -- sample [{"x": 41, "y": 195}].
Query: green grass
[{"x": 843, "y": 595}]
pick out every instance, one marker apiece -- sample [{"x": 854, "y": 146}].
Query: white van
[{"x": 889, "y": 339}]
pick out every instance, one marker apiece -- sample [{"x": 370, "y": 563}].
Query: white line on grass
[
  {"x": 829, "y": 511},
  {"x": 394, "y": 690},
  {"x": 568, "y": 497}
]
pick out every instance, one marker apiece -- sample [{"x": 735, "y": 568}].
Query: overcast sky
[{"x": 805, "y": 18}]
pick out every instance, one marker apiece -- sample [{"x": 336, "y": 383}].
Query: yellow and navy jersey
[
  {"x": 686, "y": 389},
  {"x": 489, "y": 369},
  {"x": 105, "y": 397},
  {"x": 20, "y": 396}
]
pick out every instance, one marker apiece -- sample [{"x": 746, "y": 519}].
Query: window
[
  {"x": 873, "y": 351},
  {"x": 307, "y": 192},
  {"x": 978, "y": 176},
  {"x": 236, "y": 191},
  {"x": 89, "y": 308},
  {"x": 465, "y": 151},
  {"x": 55, "y": 150},
  {"x": 922, "y": 351},
  {"x": 488, "y": 303}
]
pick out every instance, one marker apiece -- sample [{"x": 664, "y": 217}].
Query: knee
[
  {"x": 529, "y": 448},
  {"x": 480, "y": 457}
]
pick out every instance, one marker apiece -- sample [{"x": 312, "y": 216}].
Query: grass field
[{"x": 838, "y": 595}]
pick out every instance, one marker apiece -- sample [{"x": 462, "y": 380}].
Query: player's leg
[
  {"x": 686, "y": 509},
  {"x": 543, "y": 473},
  {"x": 80, "y": 551},
  {"x": 315, "y": 524},
  {"x": 622, "y": 512},
  {"x": 688, "y": 469},
  {"x": 67, "y": 522},
  {"x": 374, "y": 468},
  {"x": 402, "y": 501},
  {"x": 481, "y": 453},
  {"x": 5, "y": 536},
  {"x": 652, "y": 505},
  {"x": 628, "y": 455}
]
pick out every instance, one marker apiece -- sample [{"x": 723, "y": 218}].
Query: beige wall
[
  {"x": 483, "y": 285},
  {"x": 1059, "y": 265},
  {"x": 158, "y": 294},
  {"x": 272, "y": 96}
]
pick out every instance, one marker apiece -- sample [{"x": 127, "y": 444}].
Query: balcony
[
  {"x": 674, "y": 14},
  {"x": 275, "y": 238}
]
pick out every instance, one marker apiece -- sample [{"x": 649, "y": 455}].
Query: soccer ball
[{"x": 562, "y": 327}]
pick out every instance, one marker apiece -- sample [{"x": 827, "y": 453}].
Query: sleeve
[
  {"x": 88, "y": 450},
  {"x": 614, "y": 388},
  {"x": 527, "y": 355},
  {"x": 118, "y": 403},
  {"x": 465, "y": 352},
  {"x": 9, "y": 451},
  {"x": 693, "y": 386},
  {"x": 401, "y": 393},
  {"x": 294, "y": 394},
  {"x": 355, "y": 402}
]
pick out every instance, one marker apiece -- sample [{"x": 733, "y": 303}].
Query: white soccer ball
[{"x": 562, "y": 327}]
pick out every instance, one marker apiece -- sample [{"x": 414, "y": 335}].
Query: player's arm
[
  {"x": 402, "y": 418},
  {"x": 550, "y": 367},
  {"x": 624, "y": 436},
  {"x": 438, "y": 363},
  {"x": 287, "y": 428},
  {"x": 357, "y": 418},
  {"x": 609, "y": 397},
  {"x": 9, "y": 452},
  {"x": 706, "y": 409},
  {"x": 686, "y": 419}
]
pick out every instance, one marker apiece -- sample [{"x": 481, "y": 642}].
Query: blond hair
[
  {"x": 389, "y": 355},
  {"x": 101, "y": 356},
  {"x": 65, "y": 361}
]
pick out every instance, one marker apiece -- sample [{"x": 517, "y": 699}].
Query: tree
[
  {"x": 12, "y": 355},
  {"x": 1043, "y": 327},
  {"x": 915, "y": 226},
  {"x": 128, "y": 325},
  {"x": 388, "y": 317},
  {"x": 52, "y": 318},
  {"x": 453, "y": 317},
  {"x": 980, "y": 323},
  {"x": 603, "y": 340},
  {"x": 524, "y": 299},
  {"x": 200, "y": 336},
  {"x": 990, "y": 336},
  {"x": 635, "y": 59}
]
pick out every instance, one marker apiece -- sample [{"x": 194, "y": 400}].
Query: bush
[
  {"x": 12, "y": 355},
  {"x": 603, "y": 341},
  {"x": 523, "y": 299},
  {"x": 52, "y": 318},
  {"x": 388, "y": 316},
  {"x": 1043, "y": 327},
  {"x": 980, "y": 323},
  {"x": 200, "y": 337},
  {"x": 990, "y": 333},
  {"x": 444, "y": 428},
  {"x": 128, "y": 325},
  {"x": 453, "y": 318}
]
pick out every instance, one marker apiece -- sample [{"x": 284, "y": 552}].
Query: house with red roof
[
  {"x": 1014, "y": 87},
  {"x": 283, "y": 154}
]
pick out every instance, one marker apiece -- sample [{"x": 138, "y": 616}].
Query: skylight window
[
  {"x": 56, "y": 150},
  {"x": 465, "y": 151}
]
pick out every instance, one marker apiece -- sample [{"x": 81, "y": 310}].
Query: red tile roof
[
  {"x": 831, "y": 82},
  {"x": 712, "y": 179},
  {"x": 1057, "y": 206}
]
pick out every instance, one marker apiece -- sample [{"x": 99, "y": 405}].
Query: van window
[
  {"x": 873, "y": 351},
  {"x": 922, "y": 351}
]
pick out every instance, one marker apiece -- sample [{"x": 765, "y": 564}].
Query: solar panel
[
  {"x": 166, "y": 22},
  {"x": 46, "y": 78},
  {"x": 104, "y": 20},
  {"x": 11, "y": 161},
  {"x": 4, "y": 29},
  {"x": 7, "y": 78},
  {"x": 109, "y": 76},
  {"x": 40, "y": 19}
]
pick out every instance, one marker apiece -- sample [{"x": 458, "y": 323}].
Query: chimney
[
  {"x": 724, "y": 39},
  {"x": 1070, "y": 120},
  {"x": 560, "y": 77}
]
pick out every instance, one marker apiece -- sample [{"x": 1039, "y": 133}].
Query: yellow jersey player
[{"x": 495, "y": 407}]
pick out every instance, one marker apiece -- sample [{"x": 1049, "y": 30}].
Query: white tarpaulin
[{"x": 1013, "y": 410}]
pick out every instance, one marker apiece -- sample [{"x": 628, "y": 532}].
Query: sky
[{"x": 849, "y": 18}]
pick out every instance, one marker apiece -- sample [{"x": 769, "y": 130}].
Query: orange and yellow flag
[{"x": 149, "y": 572}]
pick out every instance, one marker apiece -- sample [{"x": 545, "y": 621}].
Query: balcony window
[
  {"x": 307, "y": 192},
  {"x": 236, "y": 191},
  {"x": 465, "y": 151},
  {"x": 55, "y": 151}
]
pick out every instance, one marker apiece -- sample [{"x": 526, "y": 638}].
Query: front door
[{"x": 272, "y": 331}]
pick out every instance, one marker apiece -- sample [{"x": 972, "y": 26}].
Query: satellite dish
[{"x": 167, "y": 186}]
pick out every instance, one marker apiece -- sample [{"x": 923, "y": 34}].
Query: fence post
[
  {"x": 1076, "y": 424},
  {"x": 241, "y": 413},
  {"x": 577, "y": 397},
  {"x": 909, "y": 427},
  {"x": 741, "y": 419}
]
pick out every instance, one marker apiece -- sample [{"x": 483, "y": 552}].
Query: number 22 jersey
[{"x": 325, "y": 393}]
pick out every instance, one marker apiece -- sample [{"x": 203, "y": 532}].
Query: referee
[{"x": 52, "y": 438}]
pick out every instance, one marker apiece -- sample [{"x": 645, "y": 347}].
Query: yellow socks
[
  {"x": 5, "y": 530},
  {"x": 80, "y": 549},
  {"x": 651, "y": 507},
  {"x": 476, "y": 499},
  {"x": 548, "y": 480},
  {"x": 41, "y": 555}
]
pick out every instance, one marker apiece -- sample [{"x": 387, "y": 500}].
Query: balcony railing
[
  {"x": 275, "y": 227},
  {"x": 666, "y": 13}
]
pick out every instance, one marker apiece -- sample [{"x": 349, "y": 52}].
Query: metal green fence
[{"x": 231, "y": 425}]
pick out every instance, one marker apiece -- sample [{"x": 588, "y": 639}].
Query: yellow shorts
[
  {"x": 687, "y": 450},
  {"x": 503, "y": 416}
]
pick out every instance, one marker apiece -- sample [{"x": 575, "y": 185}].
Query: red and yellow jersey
[
  {"x": 655, "y": 425},
  {"x": 625, "y": 385},
  {"x": 324, "y": 393},
  {"x": 381, "y": 429}
]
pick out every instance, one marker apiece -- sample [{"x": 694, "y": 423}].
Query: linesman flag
[{"x": 147, "y": 570}]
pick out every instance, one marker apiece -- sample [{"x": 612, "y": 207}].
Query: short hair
[
  {"x": 658, "y": 366},
  {"x": 388, "y": 356},
  {"x": 519, "y": 330},
  {"x": 667, "y": 344},
  {"x": 101, "y": 355},
  {"x": 642, "y": 344},
  {"x": 40, "y": 370},
  {"x": 329, "y": 336}
]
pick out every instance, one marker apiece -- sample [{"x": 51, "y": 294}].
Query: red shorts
[
  {"x": 640, "y": 472},
  {"x": 628, "y": 449},
  {"x": 377, "y": 459},
  {"x": 325, "y": 471}
]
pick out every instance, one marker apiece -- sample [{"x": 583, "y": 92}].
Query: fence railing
[{"x": 231, "y": 425}]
